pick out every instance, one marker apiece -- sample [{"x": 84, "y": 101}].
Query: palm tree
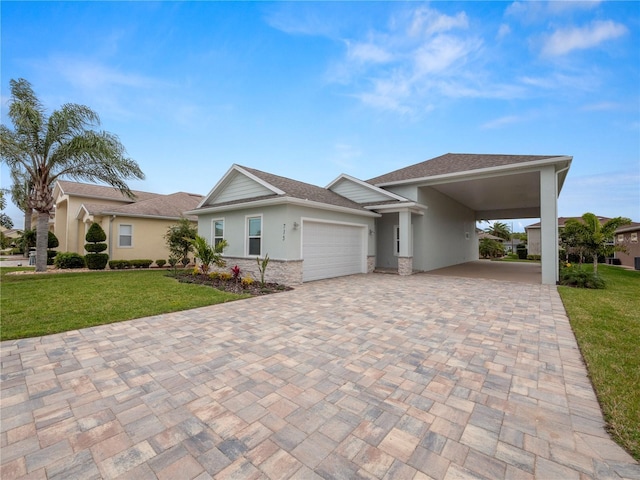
[
  {"x": 61, "y": 145},
  {"x": 592, "y": 237},
  {"x": 20, "y": 194},
  {"x": 499, "y": 229}
]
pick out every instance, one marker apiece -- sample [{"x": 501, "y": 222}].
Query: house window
[
  {"x": 396, "y": 240},
  {"x": 125, "y": 236},
  {"x": 218, "y": 231},
  {"x": 621, "y": 238},
  {"x": 254, "y": 239},
  {"x": 634, "y": 237}
]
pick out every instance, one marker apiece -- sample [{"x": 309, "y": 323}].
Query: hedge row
[{"x": 123, "y": 264}]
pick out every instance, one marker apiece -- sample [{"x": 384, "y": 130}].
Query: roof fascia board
[
  {"x": 361, "y": 183},
  {"x": 414, "y": 207},
  {"x": 138, "y": 215},
  {"x": 82, "y": 207},
  {"x": 278, "y": 201},
  {"x": 482, "y": 172},
  {"x": 227, "y": 177}
]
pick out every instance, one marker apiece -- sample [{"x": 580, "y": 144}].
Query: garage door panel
[{"x": 332, "y": 250}]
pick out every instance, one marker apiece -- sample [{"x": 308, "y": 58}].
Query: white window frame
[
  {"x": 633, "y": 237},
  {"x": 247, "y": 238},
  {"x": 215, "y": 237},
  {"x": 120, "y": 225},
  {"x": 621, "y": 238}
]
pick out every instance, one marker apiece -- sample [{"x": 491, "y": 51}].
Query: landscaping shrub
[
  {"x": 247, "y": 282},
  {"x": 161, "y": 262},
  {"x": 51, "y": 255},
  {"x": 576, "y": 276},
  {"x": 141, "y": 263},
  {"x": 119, "y": 264},
  {"x": 534, "y": 257},
  {"x": 95, "y": 236},
  {"x": 52, "y": 242},
  {"x": 521, "y": 250},
  {"x": 97, "y": 261},
  {"x": 67, "y": 260}
]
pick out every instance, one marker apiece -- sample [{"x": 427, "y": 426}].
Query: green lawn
[
  {"x": 607, "y": 326},
  {"x": 34, "y": 305}
]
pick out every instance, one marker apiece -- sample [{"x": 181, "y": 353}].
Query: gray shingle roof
[
  {"x": 305, "y": 191},
  {"x": 171, "y": 206},
  {"x": 101, "y": 191},
  {"x": 454, "y": 163}
]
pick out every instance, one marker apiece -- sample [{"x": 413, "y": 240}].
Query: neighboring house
[
  {"x": 627, "y": 238},
  {"x": 533, "y": 233},
  {"x": 417, "y": 218},
  {"x": 135, "y": 228}
]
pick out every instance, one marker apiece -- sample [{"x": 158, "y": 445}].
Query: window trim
[
  {"x": 120, "y": 225},
  {"x": 213, "y": 230},
  {"x": 396, "y": 240},
  {"x": 247, "y": 238}
]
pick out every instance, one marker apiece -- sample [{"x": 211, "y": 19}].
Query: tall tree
[
  {"x": 61, "y": 145},
  {"x": 592, "y": 237},
  {"x": 500, "y": 229},
  {"x": 5, "y": 220}
]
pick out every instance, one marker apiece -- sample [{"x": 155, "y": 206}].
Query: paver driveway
[{"x": 370, "y": 376}]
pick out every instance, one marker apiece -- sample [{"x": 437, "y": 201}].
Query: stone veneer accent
[
  {"x": 405, "y": 265},
  {"x": 285, "y": 272},
  {"x": 371, "y": 263}
]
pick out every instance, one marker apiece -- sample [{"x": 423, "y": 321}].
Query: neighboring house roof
[
  {"x": 100, "y": 191},
  {"x": 482, "y": 235},
  {"x": 454, "y": 163},
  {"x": 634, "y": 226},
  {"x": 274, "y": 187},
  {"x": 166, "y": 206},
  {"x": 563, "y": 220}
]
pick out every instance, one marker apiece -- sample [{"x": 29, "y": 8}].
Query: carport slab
[{"x": 368, "y": 376}]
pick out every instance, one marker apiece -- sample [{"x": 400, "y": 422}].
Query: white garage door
[{"x": 332, "y": 250}]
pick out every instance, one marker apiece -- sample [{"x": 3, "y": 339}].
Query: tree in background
[
  {"x": 591, "y": 237},
  {"x": 179, "y": 238},
  {"x": 5, "y": 220},
  {"x": 499, "y": 229},
  {"x": 490, "y": 248},
  {"x": 61, "y": 145}
]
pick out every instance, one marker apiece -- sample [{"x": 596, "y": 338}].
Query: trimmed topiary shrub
[
  {"x": 97, "y": 261},
  {"x": 161, "y": 262},
  {"x": 52, "y": 242},
  {"x": 67, "y": 260},
  {"x": 95, "y": 236}
]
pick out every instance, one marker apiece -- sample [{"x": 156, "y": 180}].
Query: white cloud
[
  {"x": 427, "y": 22},
  {"x": 500, "y": 122},
  {"x": 441, "y": 53},
  {"x": 563, "y": 41},
  {"x": 533, "y": 11},
  {"x": 367, "y": 52},
  {"x": 503, "y": 31}
]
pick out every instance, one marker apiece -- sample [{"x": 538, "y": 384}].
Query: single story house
[
  {"x": 534, "y": 234},
  {"x": 135, "y": 228},
  {"x": 627, "y": 237},
  {"x": 417, "y": 218}
]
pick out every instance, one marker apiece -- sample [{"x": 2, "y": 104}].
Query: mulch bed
[{"x": 232, "y": 286}]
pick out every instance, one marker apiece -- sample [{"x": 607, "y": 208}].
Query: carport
[
  {"x": 468, "y": 187},
  {"x": 521, "y": 272}
]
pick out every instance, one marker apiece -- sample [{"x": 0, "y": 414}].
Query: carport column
[
  {"x": 405, "y": 255},
  {"x": 549, "y": 225}
]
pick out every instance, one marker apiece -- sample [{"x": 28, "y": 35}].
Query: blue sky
[{"x": 311, "y": 90}]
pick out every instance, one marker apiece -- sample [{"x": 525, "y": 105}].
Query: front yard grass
[
  {"x": 34, "y": 305},
  {"x": 606, "y": 324}
]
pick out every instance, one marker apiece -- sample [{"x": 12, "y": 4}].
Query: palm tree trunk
[
  {"x": 42, "y": 237},
  {"x": 595, "y": 263},
  {"x": 27, "y": 220}
]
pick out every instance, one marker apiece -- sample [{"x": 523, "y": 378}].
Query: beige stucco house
[
  {"x": 417, "y": 218},
  {"x": 135, "y": 228}
]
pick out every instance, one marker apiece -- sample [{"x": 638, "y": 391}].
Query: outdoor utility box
[{"x": 637, "y": 263}]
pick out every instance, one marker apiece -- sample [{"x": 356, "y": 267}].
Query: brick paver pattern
[{"x": 369, "y": 376}]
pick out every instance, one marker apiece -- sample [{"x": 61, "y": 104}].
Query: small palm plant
[
  {"x": 207, "y": 254},
  {"x": 262, "y": 267}
]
